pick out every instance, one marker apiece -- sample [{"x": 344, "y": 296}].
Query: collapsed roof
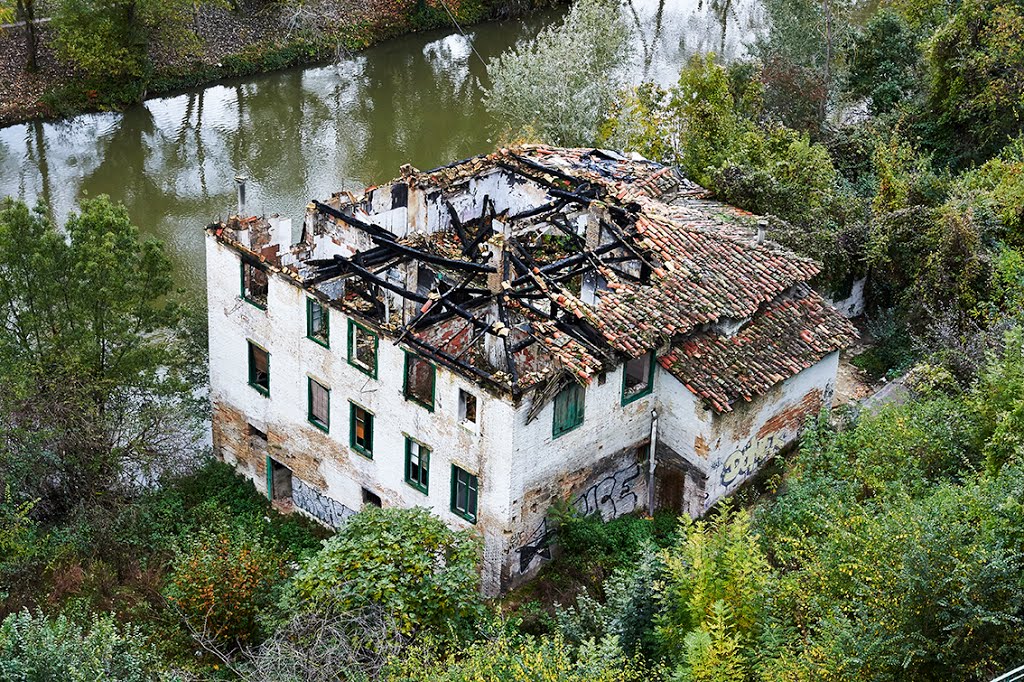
[{"x": 539, "y": 265}]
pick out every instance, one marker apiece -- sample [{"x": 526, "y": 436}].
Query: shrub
[
  {"x": 405, "y": 561},
  {"x": 222, "y": 582},
  {"x": 35, "y": 649}
]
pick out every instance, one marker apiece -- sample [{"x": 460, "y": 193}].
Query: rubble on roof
[{"x": 613, "y": 257}]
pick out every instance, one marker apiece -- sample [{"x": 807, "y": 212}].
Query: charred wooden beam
[
  {"x": 369, "y": 228},
  {"x": 446, "y": 358},
  {"x": 457, "y": 224},
  {"x": 436, "y": 260},
  {"x": 551, "y": 207}
]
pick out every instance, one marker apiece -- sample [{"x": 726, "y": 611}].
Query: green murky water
[{"x": 306, "y": 133}]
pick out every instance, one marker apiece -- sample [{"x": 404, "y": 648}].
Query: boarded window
[
  {"x": 467, "y": 407},
  {"x": 317, "y": 322},
  {"x": 361, "y": 431},
  {"x": 319, "y": 405},
  {"x": 637, "y": 377},
  {"x": 568, "y": 409},
  {"x": 362, "y": 348},
  {"x": 419, "y": 380},
  {"x": 259, "y": 368},
  {"x": 417, "y": 465},
  {"x": 254, "y": 285},
  {"x": 464, "y": 493}
]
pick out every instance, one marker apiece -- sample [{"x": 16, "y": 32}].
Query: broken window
[
  {"x": 425, "y": 279},
  {"x": 464, "y": 493},
  {"x": 362, "y": 348},
  {"x": 637, "y": 377},
  {"x": 419, "y": 381},
  {"x": 568, "y": 409},
  {"x": 279, "y": 480},
  {"x": 361, "y": 430},
  {"x": 254, "y": 285},
  {"x": 467, "y": 407},
  {"x": 371, "y": 498},
  {"x": 417, "y": 464},
  {"x": 319, "y": 405},
  {"x": 399, "y": 195},
  {"x": 259, "y": 368},
  {"x": 317, "y": 322}
]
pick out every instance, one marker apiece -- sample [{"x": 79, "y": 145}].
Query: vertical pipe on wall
[{"x": 652, "y": 461}]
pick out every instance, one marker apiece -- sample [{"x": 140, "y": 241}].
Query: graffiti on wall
[
  {"x": 747, "y": 459},
  {"x": 536, "y": 546},
  {"x": 315, "y": 503},
  {"x": 613, "y": 495}
]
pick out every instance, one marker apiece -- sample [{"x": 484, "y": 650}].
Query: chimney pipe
[
  {"x": 762, "y": 229},
  {"x": 240, "y": 181}
]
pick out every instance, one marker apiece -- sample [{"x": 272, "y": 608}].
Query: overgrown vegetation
[{"x": 891, "y": 548}]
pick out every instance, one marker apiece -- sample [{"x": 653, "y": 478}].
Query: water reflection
[{"x": 306, "y": 133}]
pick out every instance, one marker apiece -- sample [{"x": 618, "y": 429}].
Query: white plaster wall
[
  {"x": 281, "y": 329},
  {"x": 737, "y": 452},
  {"x": 853, "y": 305},
  {"x": 682, "y": 419}
]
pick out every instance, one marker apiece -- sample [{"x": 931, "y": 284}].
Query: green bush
[
  {"x": 35, "y": 649},
  {"x": 406, "y": 562}
]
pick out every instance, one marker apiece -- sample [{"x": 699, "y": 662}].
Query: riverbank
[{"x": 227, "y": 44}]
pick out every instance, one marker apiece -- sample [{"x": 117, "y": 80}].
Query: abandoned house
[{"x": 492, "y": 336}]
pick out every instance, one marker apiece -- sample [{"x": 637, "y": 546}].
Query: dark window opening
[
  {"x": 568, "y": 409},
  {"x": 317, "y": 322},
  {"x": 467, "y": 407},
  {"x": 279, "y": 481},
  {"x": 361, "y": 430},
  {"x": 254, "y": 285},
  {"x": 259, "y": 368},
  {"x": 419, "y": 381},
  {"x": 417, "y": 465},
  {"x": 465, "y": 487},
  {"x": 371, "y": 498},
  {"x": 362, "y": 348},
  {"x": 257, "y": 434},
  {"x": 399, "y": 195},
  {"x": 319, "y": 405},
  {"x": 425, "y": 280},
  {"x": 637, "y": 377}
]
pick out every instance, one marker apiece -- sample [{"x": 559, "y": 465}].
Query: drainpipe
[
  {"x": 240, "y": 181},
  {"x": 653, "y": 462}
]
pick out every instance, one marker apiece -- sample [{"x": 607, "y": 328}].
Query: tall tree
[{"x": 92, "y": 396}]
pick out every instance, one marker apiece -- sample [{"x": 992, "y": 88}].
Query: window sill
[
  {"x": 265, "y": 392},
  {"x": 320, "y": 425},
  {"x": 626, "y": 400},
  {"x": 429, "y": 407},
  {"x": 255, "y": 304},
  {"x": 362, "y": 453},
  {"x": 464, "y": 516},
  {"x": 368, "y": 371},
  {"x": 416, "y": 487},
  {"x": 319, "y": 341}
]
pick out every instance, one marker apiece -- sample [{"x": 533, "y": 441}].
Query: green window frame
[
  {"x": 420, "y": 382},
  {"x": 637, "y": 390},
  {"x": 355, "y": 347},
  {"x": 569, "y": 410},
  {"x": 465, "y": 493},
  {"x": 255, "y": 284},
  {"x": 417, "y": 465},
  {"x": 259, "y": 367},
  {"x": 360, "y": 432},
  {"x": 318, "y": 322},
  {"x": 319, "y": 404}
]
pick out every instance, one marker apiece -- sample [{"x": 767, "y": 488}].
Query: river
[{"x": 305, "y": 133}]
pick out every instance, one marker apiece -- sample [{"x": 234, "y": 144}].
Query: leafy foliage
[
  {"x": 222, "y": 582},
  {"x": 406, "y": 561},
  {"x": 547, "y": 87},
  {"x": 33, "y": 648},
  {"x": 92, "y": 399}
]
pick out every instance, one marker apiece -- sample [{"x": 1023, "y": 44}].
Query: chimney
[
  {"x": 762, "y": 229},
  {"x": 240, "y": 181}
]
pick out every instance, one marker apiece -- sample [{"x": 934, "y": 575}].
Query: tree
[
  {"x": 883, "y": 62},
  {"x": 92, "y": 403},
  {"x": 560, "y": 85},
  {"x": 976, "y": 68},
  {"x": 408, "y": 562}
]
